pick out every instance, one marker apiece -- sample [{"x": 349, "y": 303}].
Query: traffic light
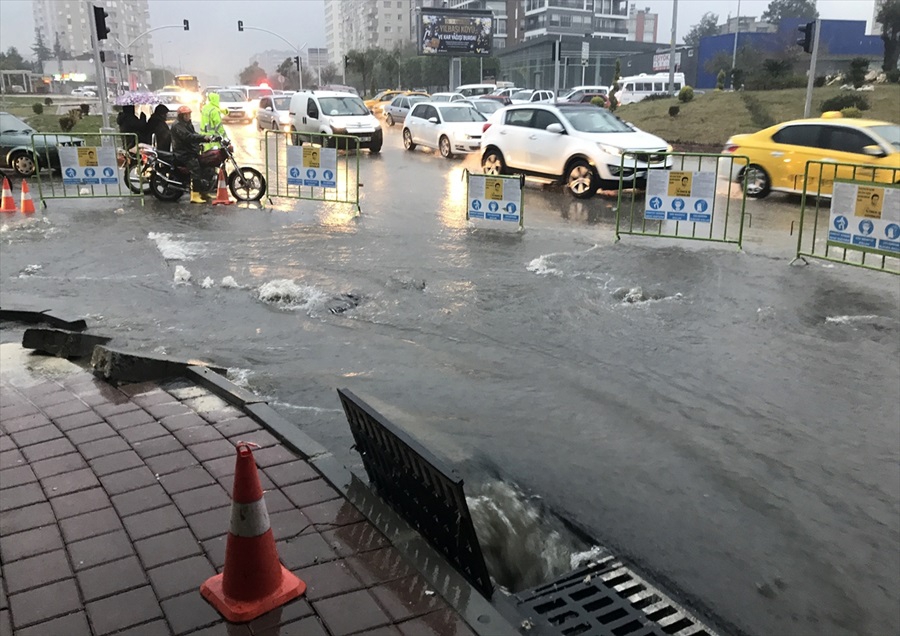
[
  {"x": 187, "y": 25},
  {"x": 809, "y": 36},
  {"x": 100, "y": 19},
  {"x": 346, "y": 61},
  {"x": 129, "y": 59},
  {"x": 102, "y": 56},
  {"x": 240, "y": 25}
]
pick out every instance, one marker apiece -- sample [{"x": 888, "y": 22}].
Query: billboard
[{"x": 455, "y": 33}]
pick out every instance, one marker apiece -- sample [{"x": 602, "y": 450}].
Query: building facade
[
  {"x": 604, "y": 19},
  {"x": 69, "y": 21},
  {"x": 362, "y": 24},
  {"x": 642, "y": 25}
]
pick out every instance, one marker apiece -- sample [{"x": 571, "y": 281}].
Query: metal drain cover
[{"x": 605, "y": 598}]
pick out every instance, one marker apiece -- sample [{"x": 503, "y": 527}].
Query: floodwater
[{"x": 726, "y": 422}]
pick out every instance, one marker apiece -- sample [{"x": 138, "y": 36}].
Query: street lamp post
[
  {"x": 185, "y": 25},
  {"x": 242, "y": 27}
]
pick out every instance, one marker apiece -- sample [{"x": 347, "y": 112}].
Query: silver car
[
  {"x": 273, "y": 113},
  {"x": 398, "y": 109}
]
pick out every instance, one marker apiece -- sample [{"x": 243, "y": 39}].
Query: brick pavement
[{"x": 114, "y": 508}]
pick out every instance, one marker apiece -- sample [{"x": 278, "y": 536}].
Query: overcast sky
[{"x": 214, "y": 50}]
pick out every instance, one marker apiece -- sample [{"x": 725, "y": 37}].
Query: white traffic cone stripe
[{"x": 249, "y": 519}]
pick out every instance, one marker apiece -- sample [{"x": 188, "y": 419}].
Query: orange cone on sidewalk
[
  {"x": 26, "y": 204},
  {"x": 253, "y": 580},
  {"x": 9, "y": 204},
  {"x": 222, "y": 191}
]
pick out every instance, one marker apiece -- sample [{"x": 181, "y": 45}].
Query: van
[
  {"x": 474, "y": 90},
  {"x": 636, "y": 87},
  {"x": 316, "y": 113}
]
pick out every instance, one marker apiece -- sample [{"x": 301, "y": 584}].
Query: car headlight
[
  {"x": 669, "y": 148},
  {"x": 284, "y": 118},
  {"x": 611, "y": 150}
]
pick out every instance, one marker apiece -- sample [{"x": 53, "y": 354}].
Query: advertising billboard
[{"x": 455, "y": 33}]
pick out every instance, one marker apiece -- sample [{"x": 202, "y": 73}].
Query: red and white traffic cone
[
  {"x": 222, "y": 197},
  {"x": 26, "y": 204},
  {"x": 253, "y": 581},
  {"x": 9, "y": 203}
]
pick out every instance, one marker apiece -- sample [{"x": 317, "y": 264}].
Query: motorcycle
[
  {"x": 169, "y": 180},
  {"x": 137, "y": 165}
]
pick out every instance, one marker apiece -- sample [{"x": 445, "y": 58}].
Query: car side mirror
[
  {"x": 874, "y": 151},
  {"x": 556, "y": 128},
  {"x": 432, "y": 120}
]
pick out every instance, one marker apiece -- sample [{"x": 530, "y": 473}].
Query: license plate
[{"x": 365, "y": 139}]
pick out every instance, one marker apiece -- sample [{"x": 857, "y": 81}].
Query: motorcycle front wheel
[
  {"x": 162, "y": 190},
  {"x": 133, "y": 178},
  {"x": 247, "y": 184}
]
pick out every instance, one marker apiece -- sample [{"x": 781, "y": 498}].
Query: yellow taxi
[
  {"x": 779, "y": 154},
  {"x": 381, "y": 99}
]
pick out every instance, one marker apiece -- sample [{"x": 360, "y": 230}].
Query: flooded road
[{"x": 725, "y": 421}]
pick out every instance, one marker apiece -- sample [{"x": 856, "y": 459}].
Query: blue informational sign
[
  {"x": 312, "y": 166},
  {"x": 680, "y": 196},
  {"x": 88, "y": 165},
  {"x": 865, "y": 217},
  {"x": 494, "y": 198}
]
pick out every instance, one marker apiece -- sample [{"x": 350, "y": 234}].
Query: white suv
[
  {"x": 314, "y": 114},
  {"x": 579, "y": 145}
]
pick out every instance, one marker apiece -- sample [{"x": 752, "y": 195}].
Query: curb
[
  {"x": 120, "y": 366},
  {"x": 34, "y": 317},
  {"x": 60, "y": 343}
]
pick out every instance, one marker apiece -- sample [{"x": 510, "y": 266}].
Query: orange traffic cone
[
  {"x": 222, "y": 191},
  {"x": 253, "y": 581},
  {"x": 27, "y": 204},
  {"x": 9, "y": 204}
]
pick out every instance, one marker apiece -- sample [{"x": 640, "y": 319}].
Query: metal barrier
[
  {"x": 863, "y": 217},
  {"x": 681, "y": 200},
  {"x": 326, "y": 169},
  {"x": 90, "y": 170},
  {"x": 419, "y": 487}
]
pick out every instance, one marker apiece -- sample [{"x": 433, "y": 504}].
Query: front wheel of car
[
  {"x": 445, "y": 148},
  {"x": 580, "y": 180},
  {"x": 492, "y": 162},
  {"x": 390, "y": 120},
  {"x": 407, "y": 140},
  {"x": 23, "y": 163},
  {"x": 756, "y": 181}
]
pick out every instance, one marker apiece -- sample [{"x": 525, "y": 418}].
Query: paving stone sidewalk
[{"x": 115, "y": 504}]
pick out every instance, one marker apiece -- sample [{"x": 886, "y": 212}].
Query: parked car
[
  {"x": 778, "y": 154},
  {"x": 486, "y": 107},
  {"x": 578, "y": 145},
  {"x": 316, "y": 113},
  {"x": 529, "y": 96},
  {"x": 447, "y": 97},
  {"x": 16, "y": 147},
  {"x": 274, "y": 113},
  {"x": 507, "y": 91},
  {"x": 638, "y": 87},
  {"x": 572, "y": 94},
  {"x": 450, "y": 128},
  {"x": 398, "y": 109},
  {"x": 585, "y": 97},
  {"x": 502, "y": 99},
  {"x": 474, "y": 90},
  {"x": 85, "y": 91}
]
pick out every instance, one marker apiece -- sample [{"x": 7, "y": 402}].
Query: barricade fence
[
  {"x": 860, "y": 225},
  {"x": 312, "y": 167},
  {"x": 681, "y": 195},
  {"x": 92, "y": 168}
]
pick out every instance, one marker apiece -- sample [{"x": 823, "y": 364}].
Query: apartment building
[
  {"x": 70, "y": 21},
  {"x": 362, "y": 24},
  {"x": 642, "y": 25},
  {"x": 603, "y": 19}
]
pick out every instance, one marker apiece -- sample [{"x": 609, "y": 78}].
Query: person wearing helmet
[
  {"x": 211, "y": 118},
  {"x": 186, "y": 148}
]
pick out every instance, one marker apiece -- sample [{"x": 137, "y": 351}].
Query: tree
[
  {"x": 859, "y": 66},
  {"x": 12, "y": 60},
  {"x": 160, "y": 77},
  {"x": 889, "y": 17},
  {"x": 363, "y": 63},
  {"x": 707, "y": 26},
  {"x": 720, "y": 80},
  {"x": 329, "y": 74},
  {"x": 252, "y": 75},
  {"x": 617, "y": 75},
  {"x": 41, "y": 52},
  {"x": 778, "y": 10},
  {"x": 390, "y": 66}
]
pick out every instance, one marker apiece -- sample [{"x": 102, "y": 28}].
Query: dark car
[
  {"x": 16, "y": 147},
  {"x": 588, "y": 98},
  {"x": 503, "y": 99}
]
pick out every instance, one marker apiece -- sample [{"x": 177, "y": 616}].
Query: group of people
[{"x": 181, "y": 138}]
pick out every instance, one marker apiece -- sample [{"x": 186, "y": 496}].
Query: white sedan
[{"x": 448, "y": 127}]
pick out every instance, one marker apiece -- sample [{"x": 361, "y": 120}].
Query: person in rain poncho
[
  {"x": 158, "y": 126},
  {"x": 128, "y": 122},
  {"x": 211, "y": 119}
]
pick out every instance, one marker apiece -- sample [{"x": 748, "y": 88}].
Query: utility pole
[
  {"x": 557, "y": 53},
  {"x": 672, "y": 48},
  {"x": 98, "y": 66},
  {"x": 812, "y": 70},
  {"x": 737, "y": 32}
]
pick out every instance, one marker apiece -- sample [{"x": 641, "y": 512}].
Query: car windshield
[
  {"x": 460, "y": 114},
  {"x": 256, "y": 93},
  {"x": 440, "y": 98},
  {"x": 522, "y": 95},
  {"x": 343, "y": 106},
  {"x": 231, "y": 96},
  {"x": 11, "y": 124},
  {"x": 487, "y": 106},
  {"x": 595, "y": 120},
  {"x": 282, "y": 103},
  {"x": 890, "y": 134}
]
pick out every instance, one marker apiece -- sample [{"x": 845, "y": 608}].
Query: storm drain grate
[{"x": 605, "y": 598}]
